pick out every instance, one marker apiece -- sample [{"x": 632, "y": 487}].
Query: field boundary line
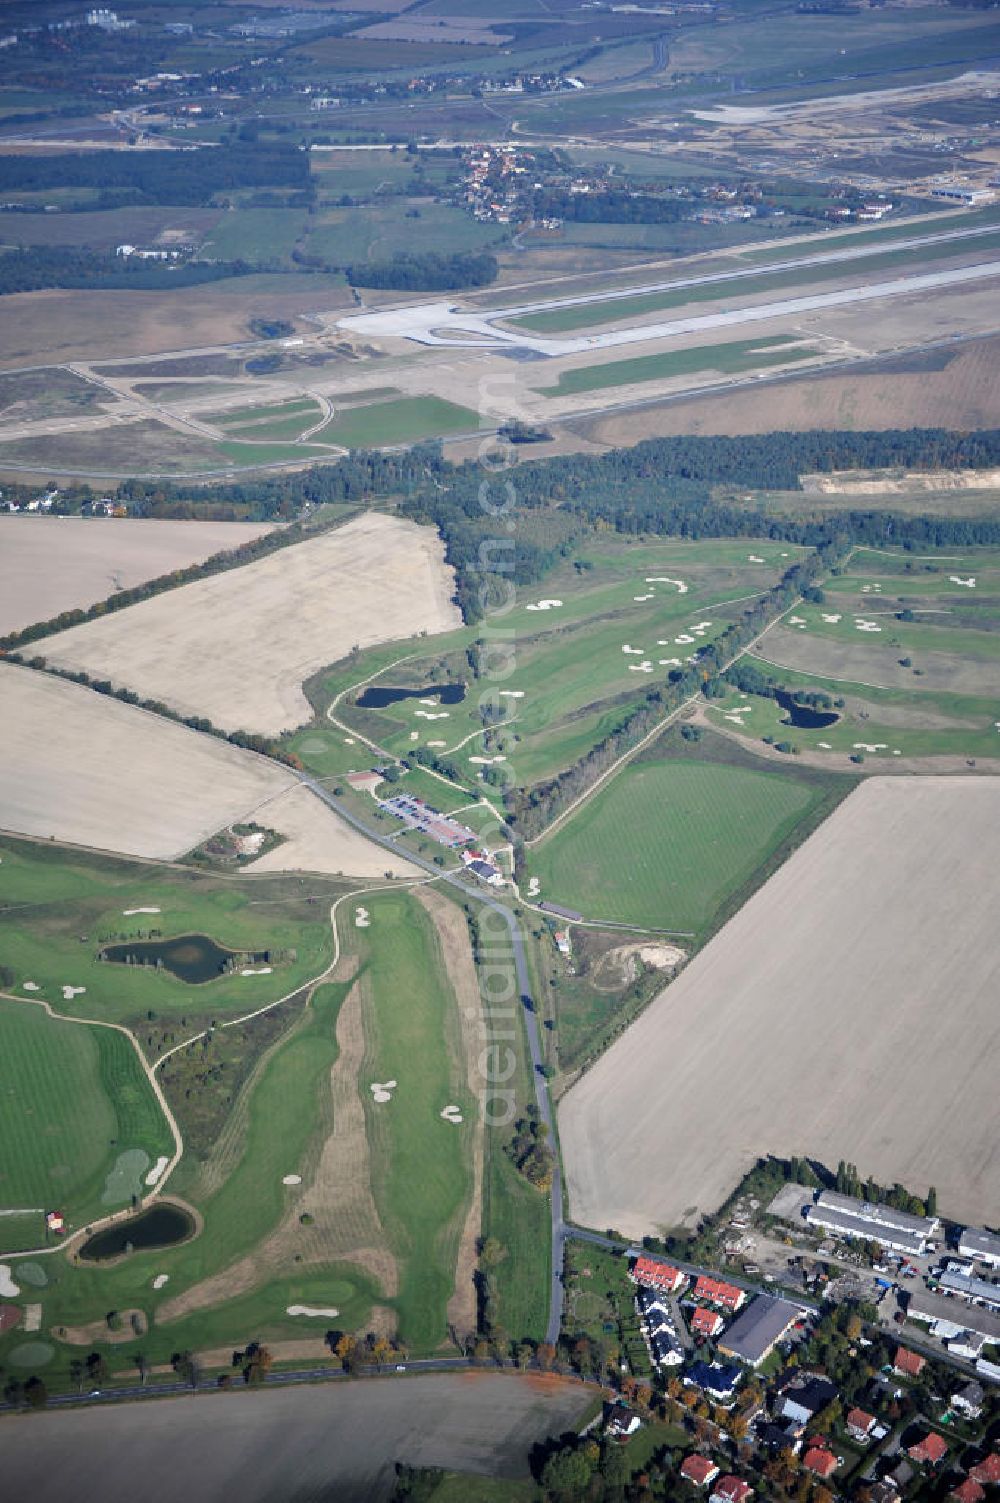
[{"x": 161, "y": 1099}]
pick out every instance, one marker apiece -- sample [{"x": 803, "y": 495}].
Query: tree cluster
[{"x": 429, "y": 271}]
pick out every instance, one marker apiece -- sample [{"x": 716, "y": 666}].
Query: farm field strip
[
  {"x": 880, "y": 1002},
  {"x": 732, "y": 358}
]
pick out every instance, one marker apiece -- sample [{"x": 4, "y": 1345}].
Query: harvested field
[
  {"x": 271, "y": 624},
  {"x": 876, "y": 665},
  {"x": 50, "y": 564},
  {"x": 840, "y": 1014},
  {"x": 317, "y": 841},
  {"x": 83, "y": 768},
  {"x": 286, "y": 1443},
  {"x": 962, "y": 394}
]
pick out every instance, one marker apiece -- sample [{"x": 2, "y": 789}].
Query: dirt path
[{"x": 453, "y": 935}]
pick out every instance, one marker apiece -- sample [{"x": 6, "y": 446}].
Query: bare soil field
[
  {"x": 104, "y": 229},
  {"x": 329, "y": 1440},
  {"x": 79, "y": 767},
  {"x": 53, "y": 564},
  {"x": 847, "y": 1011},
  {"x": 55, "y": 326},
  {"x": 236, "y": 648},
  {"x": 316, "y": 840},
  {"x": 963, "y": 394}
]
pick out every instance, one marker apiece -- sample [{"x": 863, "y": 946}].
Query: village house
[
  {"x": 718, "y": 1381},
  {"x": 654, "y": 1274},
  {"x": 928, "y": 1451},
  {"x": 620, "y": 1421},
  {"x": 820, "y": 1461},
  {"x": 700, "y": 1471},
  {"x": 717, "y": 1292},
  {"x": 705, "y": 1322},
  {"x": 987, "y": 1473},
  {"x": 908, "y": 1364},
  {"x": 968, "y": 1492},
  {"x": 969, "y": 1400},
  {"x": 730, "y": 1489},
  {"x": 860, "y": 1424},
  {"x": 804, "y": 1398}
]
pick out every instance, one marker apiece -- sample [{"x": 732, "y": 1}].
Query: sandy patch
[
  {"x": 69, "y": 992},
  {"x": 832, "y": 617},
  {"x": 969, "y": 584},
  {"x": 318, "y": 840},
  {"x": 682, "y": 588},
  {"x": 32, "y": 1317},
  {"x": 30, "y": 986},
  {"x": 644, "y": 667},
  {"x": 544, "y": 605},
  {"x": 382, "y": 1090},
  {"x": 133, "y": 1323},
  {"x": 8, "y": 1289},
  {"x": 291, "y": 1179},
  {"x": 131, "y": 912},
  {"x": 154, "y": 1174},
  {"x": 631, "y": 651},
  {"x": 898, "y": 929},
  {"x": 362, "y": 919},
  {"x": 511, "y": 693},
  {"x": 54, "y": 564},
  {"x": 261, "y": 970},
  {"x": 534, "y": 887},
  {"x": 80, "y": 767},
  {"x": 662, "y": 957},
  {"x": 451, "y": 1113},
  {"x": 641, "y": 598},
  {"x": 329, "y": 1311},
  {"x": 272, "y": 623},
  {"x": 160, "y": 1280},
  {"x": 429, "y": 715}
]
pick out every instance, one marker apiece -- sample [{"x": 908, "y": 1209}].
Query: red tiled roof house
[
  {"x": 716, "y": 1292},
  {"x": 908, "y": 1364},
  {"x": 699, "y": 1470},
  {"x": 930, "y": 1450},
  {"x": 731, "y": 1489},
  {"x": 705, "y": 1322},
  {"x": 653, "y": 1274},
  {"x": 820, "y": 1461},
  {"x": 860, "y": 1424}
]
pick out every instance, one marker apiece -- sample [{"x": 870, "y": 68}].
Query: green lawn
[
  {"x": 404, "y": 421},
  {"x": 666, "y": 843},
  {"x": 733, "y": 357},
  {"x": 72, "y": 1098},
  {"x": 261, "y": 236}
]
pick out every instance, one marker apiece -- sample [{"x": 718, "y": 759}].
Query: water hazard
[
  {"x": 378, "y": 697},
  {"x": 804, "y": 717},
  {"x": 162, "y": 1225},
  {"x": 190, "y": 957}
]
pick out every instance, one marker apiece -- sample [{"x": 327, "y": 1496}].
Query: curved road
[{"x": 481, "y": 895}]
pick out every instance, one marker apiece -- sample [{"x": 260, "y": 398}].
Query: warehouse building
[
  {"x": 869, "y": 1222},
  {"x": 753, "y": 1335}
]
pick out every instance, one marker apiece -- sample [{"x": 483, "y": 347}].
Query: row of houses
[
  {"x": 870, "y": 1221},
  {"x": 750, "y": 1338}
]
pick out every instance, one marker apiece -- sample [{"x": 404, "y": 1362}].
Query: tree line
[
  {"x": 189, "y": 176},
  {"x": 429, "y": 271},
  {"x": 30, "y": 268}
]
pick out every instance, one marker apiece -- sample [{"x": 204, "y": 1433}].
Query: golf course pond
[
  {"x": 804, "y": 717},
  {"x": 191, "y": 957},
  {"x": 163, "y": 1225},
  {"x": 381, "y": 696}
]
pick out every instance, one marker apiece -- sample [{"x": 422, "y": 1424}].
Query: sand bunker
[
  {"x": 534, "y": 887},
  {"x": 644, "y": 667},
  {"x": 824, "y": 745},
  {"x": 69, "y": 992},
  {"x": 30, "y": 986},
  {"x": 131, "y": 912},
  {"x": 362, "y": 918},
  {"x": 871, "y": 746},
  {"x": 261, "y": 970},
  {"x": 969, "y": 584},
  {"x": 7, "y": 1286},
  {"x": 511, "y": 693},
  {"x": 684, "y": 640},
  {"x": 832, "y": 617},
  {"x": 160, "y": 1280},
  {"x": 682, "y": 588},
  {"x": 452, "y": 1113},
  {"x": 427, "y": 715},
  {"x": 487, "y": 761},
  {"x": 328, "y": 1312},
  {"x": 157, "y": 1169},
  {"x": 867, "y": 626},
  {"x": 544, "y": 605},
  {"x": 753, "y": 559},
  {"x": 291, "y": 1179},
  {"x": 437, "y": 743},
  {"x": 635, "y": 652},
  {"x": 641, "y": 598},
  {"x": 382, "y": 1090}
]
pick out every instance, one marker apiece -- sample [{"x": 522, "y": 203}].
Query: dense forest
[
  {"x": 430, "y": 272},
  {"x": 188, "y": 176},
  {"x": 29, "y": 270}
]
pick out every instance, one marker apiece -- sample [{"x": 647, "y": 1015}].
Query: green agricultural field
[
  {"x": 264, "y": 237},
  {"x": 734, "y": 357},
  {"x": 608, "y": 310},
  {"x": 75, "y": 1104},
  {"x": 405, "y": 421},
  {"x": 384, "y": 229},
  {"x": 57, "y": 908},
  {"x": 666, "y": 844}
]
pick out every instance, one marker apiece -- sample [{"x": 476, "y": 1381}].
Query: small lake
[
  {"x": 804, "y": 716},
  {"x": 378, "y": 697},
  {"x": 161, "y": 1226},
  {"x": 190, "y": 957}
]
